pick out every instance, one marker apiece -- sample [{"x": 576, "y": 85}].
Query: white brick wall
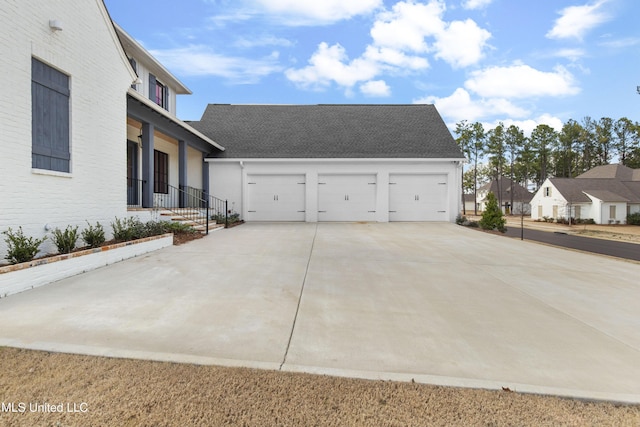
[{"x": 87, "y": 50}]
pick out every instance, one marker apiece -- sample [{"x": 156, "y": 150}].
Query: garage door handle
[
  {"x": 301, "y": 211},
  {"x": 322, "y": 211},
  {"x": 251, "y": 211},
  {"x": 393, "y": 211},
  {"x": 371, "y": 211},
  {"x": 442, "y": 211}
]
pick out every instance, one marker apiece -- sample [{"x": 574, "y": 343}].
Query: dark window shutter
[
  {"x": 49, "y": 118},
  {"x": 152, "y": 88},
  {"x": 165, "y": 101}
]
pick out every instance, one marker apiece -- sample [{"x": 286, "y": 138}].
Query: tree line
[{"x": 546, "y": 153}]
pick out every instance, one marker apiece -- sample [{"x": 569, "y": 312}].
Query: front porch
[{"x": 166, "y": 171}]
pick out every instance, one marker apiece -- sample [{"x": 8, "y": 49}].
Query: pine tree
[{"x": 492, "y": 217}]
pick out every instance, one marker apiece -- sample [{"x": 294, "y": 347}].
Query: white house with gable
[
  {"x": 606, "y": 194},
  {"x": 88, "y": 124},
  {"x": 62, "y": 116}
]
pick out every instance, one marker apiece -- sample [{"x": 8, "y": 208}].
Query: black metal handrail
[
  {"x": 218, "y": 210},
  {"x": 134, "y": 192},
  {"x": 188, "y": 203}
]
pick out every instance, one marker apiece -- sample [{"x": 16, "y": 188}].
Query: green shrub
[
  {"x": 65, "y": 240},
  {"x": 127, "y": 229},
  {"x": 473, "y": 224},
  {"x": 176, "y": 228},
  {"x": 132, "y": 228},
  {"x": 21, "y": 248},
  {"x": 93, "y": 236},
  {"x": 461, "y": 219},
  {"x": 633, "y": 219},
  {"x": 492, "y": 217},
  {"x": 585, "y": 221}
]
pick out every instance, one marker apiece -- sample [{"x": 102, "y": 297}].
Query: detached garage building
[{"x": 334, "y": 162}]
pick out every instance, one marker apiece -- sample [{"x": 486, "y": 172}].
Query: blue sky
[{"x": 516, "y": 61}]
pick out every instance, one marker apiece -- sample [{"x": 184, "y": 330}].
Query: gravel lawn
[{"x": 96, "y": 391}]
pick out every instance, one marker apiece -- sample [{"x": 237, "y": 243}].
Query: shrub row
[{"x": 22, "y": 248}]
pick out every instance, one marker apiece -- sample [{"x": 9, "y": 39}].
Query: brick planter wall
[{"x": 28, "y": 275}]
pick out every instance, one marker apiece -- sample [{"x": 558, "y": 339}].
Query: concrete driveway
[{"x": 432, "y": 302}]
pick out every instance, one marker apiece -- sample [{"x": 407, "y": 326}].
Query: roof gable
[
  {"x": 507, "y": 186},
  {"x": 618, "y": 171},
  {"x": 573, "y": 190},
  {"x": 328, "y": 131}
]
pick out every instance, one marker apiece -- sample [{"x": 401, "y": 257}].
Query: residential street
[{"x": 560, "y": 238}]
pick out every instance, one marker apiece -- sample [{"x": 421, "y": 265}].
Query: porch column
[
  {"x": 205, "y": 175},
  {"x": 147, "y": 165},
  {"x": 182, "y": 173}
]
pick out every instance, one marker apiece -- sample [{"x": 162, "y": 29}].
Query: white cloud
[
  {"x": 400, "y": 43},
  {"x": 198, "y": 60},
  {"x": 521, "y": 81},
  {"x": 571, "y": 54},
  {"x": 576, "y": 21},
  {"x": 476, "y": 4},
  {"x": 395, "y": 58},
  {"x": 263, "y": 41},
  {"x": 407, "y": 24},
  {"x": 331, "y": 64},
  {"x": 297, "y": 12},
  {"x": 375, "y": 88},
  {"x": 462, "y": 43},
  {"x": 527, "y": 126},
  {"x": 460, "y": 106}
]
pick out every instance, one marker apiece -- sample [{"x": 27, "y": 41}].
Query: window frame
[{"x": 160, "y": 172}]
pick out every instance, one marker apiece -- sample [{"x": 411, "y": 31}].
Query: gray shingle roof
[
  {"x": 507, "y": 186},
  {"x": 615, "y": 190},
  {"x": 328, "y": 131},
  {"x": 616, "y": 171}
]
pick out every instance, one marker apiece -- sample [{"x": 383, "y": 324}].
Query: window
[
  {"x": 160, "y": 172},
  {"x": 49, "y": 118},
  {"x": 158, "y": 92},
  {"x": 612, "y": 212},
  {"x": 547, "y": 191},
  {"x": 578, "y": 212},
  {"x": 161, "y": 90}
]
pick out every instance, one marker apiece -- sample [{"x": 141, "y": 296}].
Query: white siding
[
  {"x": 548, "y": 202},
  {"x": 86, "y": 50}
]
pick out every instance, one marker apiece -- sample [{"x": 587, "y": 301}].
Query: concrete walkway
[{"x": 432, "y": 302}]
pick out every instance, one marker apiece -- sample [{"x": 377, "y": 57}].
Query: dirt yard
[{"x": 95, "y": 391}]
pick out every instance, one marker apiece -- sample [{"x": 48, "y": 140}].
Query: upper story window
[
  {"x": 158, "y": 92},
  {"x": 49, "y": 118},
  {"x": 161, "y": 92},
  {"x": 547, "y": 191}
]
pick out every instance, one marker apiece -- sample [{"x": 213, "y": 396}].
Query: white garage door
[
  {"x": 346, "y": 197},
  {"x": 418, "y": 197},
  {"x": 276, "y": 197}
]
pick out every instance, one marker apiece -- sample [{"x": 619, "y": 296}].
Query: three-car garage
[
  {"x": 325, "y": 163},
  {"x": 314, "y": 195}
]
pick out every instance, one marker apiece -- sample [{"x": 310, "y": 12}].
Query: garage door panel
[
  {"x": 276, "y": 197},
  {"x": 346, "y": 197},
  {"x": 418, "y": 197}
]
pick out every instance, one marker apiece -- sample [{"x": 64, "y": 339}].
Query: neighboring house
[
  {"x": 165, "y": 156},
  {"x": 505, "y": 189},
  {"x": 62, "y": 116},
  {"x": 606, "y": 194},
  {"x": 334, "y": 162}
]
